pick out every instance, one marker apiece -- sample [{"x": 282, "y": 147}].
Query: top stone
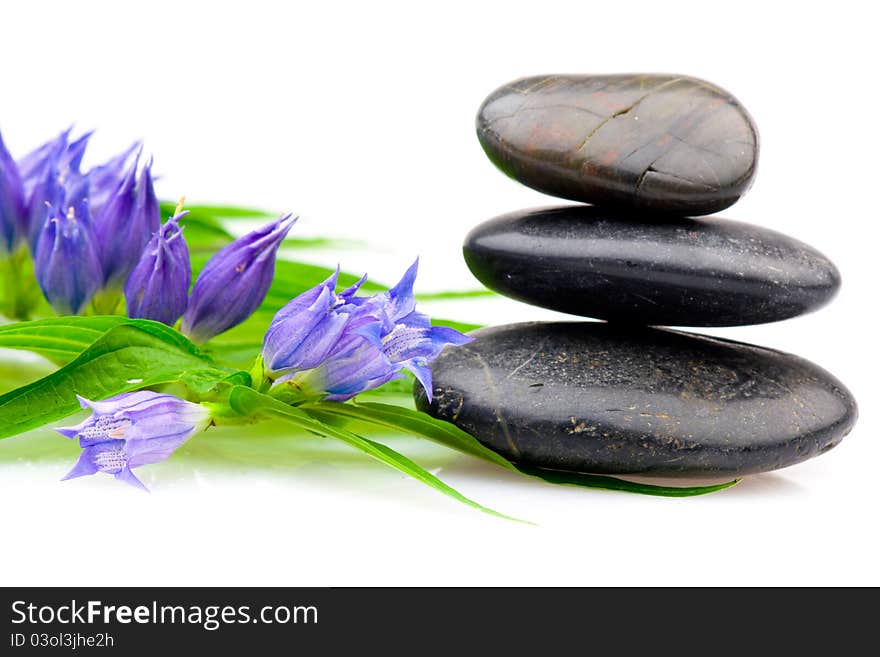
[{"x": 663, "y": 143}]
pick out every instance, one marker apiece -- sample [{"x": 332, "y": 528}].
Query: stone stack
[{"x": 648, "y": 153}]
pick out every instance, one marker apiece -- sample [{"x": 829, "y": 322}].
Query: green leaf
[
  {"x": 60, "y": 339},
  {"x": 133, "y": 355},
  {"x": 215, "y": 211},
  {"x": 613, "y": 483},
  {"x": 463, "y": 327},
  {"x": 204, "y": 235},
  {"x": 446, "y": 433},
  {"x": 407, "y": 420},
  {"x": 249, "y": 402},
  {"x": 293, "y": 278},
  {"x": 455, "y": 295},
  {"x": 14, "y": 373},
  {"x": 205, "y": 229},
  {"x": 218, "y": 211}
]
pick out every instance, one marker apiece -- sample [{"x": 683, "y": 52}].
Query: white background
[{"x": 359, "y": 117}]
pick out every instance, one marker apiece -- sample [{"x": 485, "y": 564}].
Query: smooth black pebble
[
  {"x": 601, "y": 263},
  {"x": 666, "y": 143},
  {"x": 599, "y": 398}
]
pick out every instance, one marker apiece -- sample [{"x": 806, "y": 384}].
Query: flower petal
[
  {"x": 158, "y": 287},
  {"x": 349, "y": 292},
  {"x": 129, "y": 477},
  {"x": 72, "y": 157},
  {"x": 121, "y": 401},
  {"x": 66, "y": 265},
  {"x": 32, "y": 165},
  {"x": 105, "y": 178},
  {"x": 234, "y": 282},
  {"x": 74, "y": 431},
  {"x": 422, "y": 371},
  {"x": 83, "y": 466},
  {"x": 402, "y": 300},
  {"x": 13, "y": 212},
  {"x": 154, "y": 450},
  {"x": 120, "y": 238}
]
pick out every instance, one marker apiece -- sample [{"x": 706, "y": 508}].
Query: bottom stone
[{"x": 608, "y": 399}]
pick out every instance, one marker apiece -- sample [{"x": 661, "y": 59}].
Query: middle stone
[{"x": 598, "y": 263}]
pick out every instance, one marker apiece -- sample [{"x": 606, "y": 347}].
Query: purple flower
[
  {"x": 157, "y": 288},
  {"x": 66, "y": 264},
  {"x": 131, "y": 430},
  {"x": 72, "y": 156},
  {"x": 234, "y": 282},
  {"x": 124, "y": 209},
  {"x": 33, "y": 165},
  {"x": 12, "y": 203},
  {"x": 52, "y": 180},
  {"x": 44, "y": 188},
  {"x": 334, "y": 346},
  {"x": 105, "y": 178},
  {"x": 127, "y": 221}
]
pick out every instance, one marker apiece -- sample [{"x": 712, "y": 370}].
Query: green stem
[
  {"x": 258, "y": 375},
  {"x": 107, "y": 301},
  {"x": 19, "y": 298}
]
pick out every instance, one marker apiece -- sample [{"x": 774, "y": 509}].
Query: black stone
[
  {"x": 595, "y": 397},
  {"x": 679, "y": 272},
  {"x": 666, "y": 143}
]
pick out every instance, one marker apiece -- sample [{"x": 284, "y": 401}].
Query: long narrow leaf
[
  {"x": 455, "y": 295},
  {"x": 250, "y": 402},
  {"x": 613, "y": 483},
  {"x": 407, "y": 420},
  {"x": 422, "y": 424},
  {"x": 216, "y": 211}
]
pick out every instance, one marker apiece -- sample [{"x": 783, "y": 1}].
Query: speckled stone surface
[
  {"x": 594, "y": 397},
  {"x": 666, "y": 143},
  {"x": 676, "y": 272}
]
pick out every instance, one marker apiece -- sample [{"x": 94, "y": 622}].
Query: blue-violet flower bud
[
  {"x": 131, "y": 430},
  {"x": 234, "y": 282},
  {"x": 66, "y": 264},
  {"x": 12, "y": 203},
  {"x": 32, "y": 165},
  {"x": 72, "y": 156},
  {"x": 48, "y": 173},
  {"x": 126, "y": 223},
  {"x": 105, "y": 178},
  {"x": 47, "y": 193},
  {"x": 158, "y": 286}
]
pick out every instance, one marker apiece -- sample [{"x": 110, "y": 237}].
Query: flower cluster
[
  {"x": 228, "y": 290},
  {"x": 335, "y": 346},
  {"x": 96, "y": 234},
  {"x": 96, "y": 237},
  {"x": 84, "y": 229},
  {"x": 321, "y": 345}
]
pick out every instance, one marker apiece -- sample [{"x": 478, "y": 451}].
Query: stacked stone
[{"x": 647, "y": 153}]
